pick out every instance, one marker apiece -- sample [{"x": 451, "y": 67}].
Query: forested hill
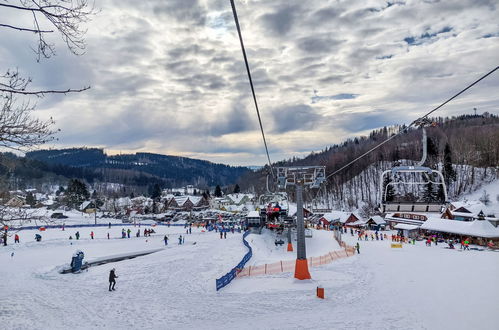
[
  {"x": 470, "y": 143},
  {"x": 172, "y": 170}
]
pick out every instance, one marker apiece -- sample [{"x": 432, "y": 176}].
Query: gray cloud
[
  {"x": 168, "y": 76},
  {"x": 294, "y": 117}
]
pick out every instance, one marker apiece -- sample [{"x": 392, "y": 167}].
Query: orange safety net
[{"x": 288, "y": 266}]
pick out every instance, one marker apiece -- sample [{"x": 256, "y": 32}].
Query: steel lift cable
[
  {"x": 405, "y": 129},
  {"x": 251, "y": 82}
]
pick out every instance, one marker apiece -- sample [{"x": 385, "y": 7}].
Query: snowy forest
[{"x": 464, "y": 148}]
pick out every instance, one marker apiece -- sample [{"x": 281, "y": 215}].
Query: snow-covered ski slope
[{"x": 415, "y": 287}]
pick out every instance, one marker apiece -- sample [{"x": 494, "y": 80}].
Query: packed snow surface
[{"x": 416, "y": 287}]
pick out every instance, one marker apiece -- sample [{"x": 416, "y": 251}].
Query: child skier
[{"x": 112, "y": 279}]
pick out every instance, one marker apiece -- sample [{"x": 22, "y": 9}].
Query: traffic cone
[
  {"x": 301, "y": 269},
  {"x": 290, "y": 247}
]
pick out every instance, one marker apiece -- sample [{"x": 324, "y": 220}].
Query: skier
[
  {"x": 112, "y": 279},
  {"x": 107, "y": 235},
  {"x": 77, "y": 235},
  {"x": 109, "y": 225},
  {"x": 190, "y": 230},
  {"x": 221, "y": 234},
  {"x": 357, "y": 246},
  {"x": 16, "y": 238},
  {"x": 225, "y": 233},
  {"x": 180, "y": 240},
  {"x": 123, "y": 233},
  {"x": 183, "y": 239},
  {"x": 138, "y": 233},
  {"x": 92, "y": 234},
  {"x": 166, "y": 240},
  {"x": 145, "y": 232},
  {"x": 128, "y": 232}
]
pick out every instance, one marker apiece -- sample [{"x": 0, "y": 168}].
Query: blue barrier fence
[
  {"x": 227, "y": 278},
  {"x": 93, "y": 225}
]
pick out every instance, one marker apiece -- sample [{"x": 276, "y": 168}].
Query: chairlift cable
[
  {"x": 413, "y": 123},
  {"x": 407, "y": 127},
  {"x": 251, "y": 82}
]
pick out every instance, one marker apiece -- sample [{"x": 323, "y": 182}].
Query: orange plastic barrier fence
[{"x": 288, "y": 266}]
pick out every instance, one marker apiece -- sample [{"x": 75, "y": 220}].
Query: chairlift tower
[{"x": 313, "y": 177}]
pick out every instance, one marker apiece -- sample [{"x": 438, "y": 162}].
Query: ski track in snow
[{"x": 412, "y": 288}]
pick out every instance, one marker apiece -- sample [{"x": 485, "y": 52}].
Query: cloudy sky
[{"x": 168, "y": 76}]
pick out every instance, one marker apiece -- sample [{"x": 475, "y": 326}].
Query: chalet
[
  {"x": 469, "y": 211},
  {"x": 338, "y": 217},
  {"x": 376, "y": 221},
  {"x": 188, "y": 203},
  {"x": 479, "y": 231},
  {"x": 409, "y": 218},
  {"x": 410, "y": 231},
  {"x": 87, "y": 207},
  {"x": 16, "y": 201},
  {"x": 239, "y": 199}
]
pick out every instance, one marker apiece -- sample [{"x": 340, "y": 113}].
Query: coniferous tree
[
  {"x": 30, "y": 199},
  {"x": 237, "y": 189},
  {"x": 60, "y": 191},
  {"x": 429, "y": 193},
  {"x": 76, "y": 193},
  {"x": 218, "y": 191},
  {"x": 449, "y": 172},
  {"x": 156, "y": 191}
]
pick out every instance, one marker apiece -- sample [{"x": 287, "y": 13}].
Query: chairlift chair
[{"x": 398, "y": 173}]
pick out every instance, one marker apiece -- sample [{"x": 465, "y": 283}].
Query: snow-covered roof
[
  {"x": 477, "y": 228},
  {"x": 84, "y": 205},
  {"x": 237, "y": 198},
  {"x": 404, "y": 226},
  {"x": 357, "y": 223},
  {"x": 336, "y": 216},
  {"x": 195, "y": 199},
  {"x": 253, "y": 214},
  {"x": 378, "y": 220}
]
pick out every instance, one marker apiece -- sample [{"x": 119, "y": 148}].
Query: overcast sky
[{"x": 168, "y": 76}]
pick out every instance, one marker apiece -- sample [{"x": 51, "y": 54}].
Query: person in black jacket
[{"x": 112, "y": 279}]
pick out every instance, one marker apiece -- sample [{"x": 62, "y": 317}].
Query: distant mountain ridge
[{"x": 173, "y": 170}]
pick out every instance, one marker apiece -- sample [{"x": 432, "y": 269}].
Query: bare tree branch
[
  {"x": 25, "y": 29},
  {"x": 66, "y": 16},
  {"x": 43, "y": 92}
]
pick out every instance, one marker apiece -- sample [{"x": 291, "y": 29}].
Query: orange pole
[{"x": 301, "y": 270}]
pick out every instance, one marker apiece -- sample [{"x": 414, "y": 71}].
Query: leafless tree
[
  {"x": 63, "y": 16},
  {"x": 19, "y": 130}
]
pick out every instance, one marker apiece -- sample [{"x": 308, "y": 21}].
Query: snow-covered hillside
[{"x": 364, "y": 188}]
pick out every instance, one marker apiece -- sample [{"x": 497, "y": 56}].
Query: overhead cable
[{"x": 251, "y": 83}]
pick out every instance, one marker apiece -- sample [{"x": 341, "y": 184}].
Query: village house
[
  {"x": 469, "y": 211},
  {"x": 376, "y": 221},
  {"x": 339, "y": 218}
]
